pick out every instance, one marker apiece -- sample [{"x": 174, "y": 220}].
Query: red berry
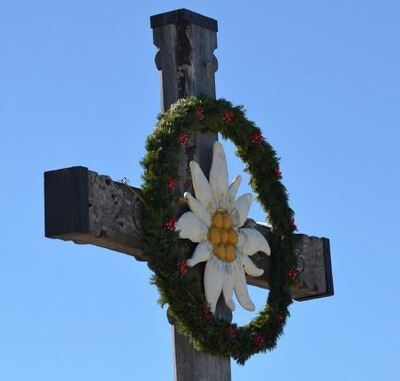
[
  {"x": 259, "y": 340},
  {"x": 256, "y": 138},
  {"x": 200, "y": 113},
  {"x": 292, "y": 274},
  {"x": 206, "y": 313},
  {"x": 232, "y": 332},
  {"x": 279, "y": 318},
  {"x": 183, "y": 138},
  {"x": 171, "y": 184},
  {"x": 228, "y": 116},
  {"x": 170, "y": 224},
  {"x": 182, "y": 267}
]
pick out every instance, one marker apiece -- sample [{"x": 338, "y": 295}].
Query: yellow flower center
[{"x": 223, "y": 237}]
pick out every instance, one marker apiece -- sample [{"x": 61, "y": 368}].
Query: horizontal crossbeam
[{"x": 87, "y": 208}]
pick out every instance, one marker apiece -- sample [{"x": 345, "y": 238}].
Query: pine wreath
[{"x": 181, "y": 289}]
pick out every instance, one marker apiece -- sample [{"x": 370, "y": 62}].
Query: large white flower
[{"x": 215, "y": 222}]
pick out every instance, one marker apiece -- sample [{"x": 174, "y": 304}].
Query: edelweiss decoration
[{"x": 215, "y": 222}]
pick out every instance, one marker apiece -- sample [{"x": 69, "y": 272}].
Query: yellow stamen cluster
[{"x": 223, "y": 237}]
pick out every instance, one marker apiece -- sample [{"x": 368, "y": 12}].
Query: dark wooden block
[{"x": 66, "y": 202}]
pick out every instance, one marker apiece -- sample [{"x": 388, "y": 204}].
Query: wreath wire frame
[{"x": 182, "y": 289}]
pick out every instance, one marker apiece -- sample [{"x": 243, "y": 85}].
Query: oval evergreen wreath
[{"x": 177, "y": 286}]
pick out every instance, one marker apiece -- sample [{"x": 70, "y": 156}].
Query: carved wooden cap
[{"x": 183, "y": 16}]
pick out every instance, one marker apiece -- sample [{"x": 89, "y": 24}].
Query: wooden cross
[{"x": 87, "y": 208}]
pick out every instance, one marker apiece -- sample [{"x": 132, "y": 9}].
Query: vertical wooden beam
[{"x": 186, "y": 43}]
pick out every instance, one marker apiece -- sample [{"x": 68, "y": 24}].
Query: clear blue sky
[{"x": 78, "y": 86}]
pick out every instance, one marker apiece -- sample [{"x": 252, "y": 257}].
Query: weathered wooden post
[{"x": 186, "y": 43}]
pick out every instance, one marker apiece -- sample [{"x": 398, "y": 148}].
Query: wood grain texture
[
  {"x": 198, "y": 366},
  {"x": 314, "y": 266},
  {"x": 115, "y": 219},
  {"x": 87, "y": 208},
  {"x": 185, "y": 60},
  {"x": 187, "y": 66}
]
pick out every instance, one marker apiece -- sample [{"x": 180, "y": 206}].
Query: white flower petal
[
  {"x": 227, "y": 288},
  {"x": 250, "y": 268},
  {"x": 202, "y": 253},
  {"x": 213, "y": 281},
  {"x": 241, "y": 209},
  {"x": 251, "y": 241},
  {"x": 241, "y": 287},
  {"x": 219, "y": 176},
  {"x": 201, "y": 187},
  {"x": 198, "y": 208},
  {"x": 232, "y": 191},
  {"x": 191, "y": 227}
]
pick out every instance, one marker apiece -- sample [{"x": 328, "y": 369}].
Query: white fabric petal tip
[
  {"x": 191, "y": 227},
  {"x": 213, "y": 282},
  {"x": 227, "y": 289},
  {"x": 232, "y": 191},
  {"x": 251, "y": 269},
  {"x": 230, "y": 304},
  {"x": 242, "y": 207},
  {"x": 240, "y": 288},
  {"x": 249, "y": 307},
  {"x": 201, "y": 186},
  {"x": 233, "y": 188},
  {"x": 198, "y": 208},
  {"x": 219, "y": 175},
  {"x": 251, "y": 241},
  {"x": 202, "y": 253}
]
